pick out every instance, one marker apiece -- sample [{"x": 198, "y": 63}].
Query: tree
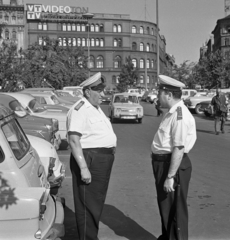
[{"x": 128, "y": 76}]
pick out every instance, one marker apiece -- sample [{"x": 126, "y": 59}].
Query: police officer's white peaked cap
[
  {"x": 170, "y": 82},
  {"x": 92, "y": 81}
]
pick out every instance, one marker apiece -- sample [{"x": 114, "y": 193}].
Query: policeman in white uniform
[
  {"x": 172, "y": 168},
  {"x": 92, "y": 142}
]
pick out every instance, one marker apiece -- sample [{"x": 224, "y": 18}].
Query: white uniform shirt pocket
[
  {"x": 165, "y": 135},
  {"x": 96, "y": 124}
]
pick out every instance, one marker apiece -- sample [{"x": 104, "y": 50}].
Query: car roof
[
  {"x": 39, "y": 89},
  {"x": 21, "y": 97},
  {"x": 125, "y": 94},
  {"x": 5, "y": 112},
  {"x": 39, "y": 93}
]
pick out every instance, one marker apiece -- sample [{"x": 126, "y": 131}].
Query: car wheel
[
  {"x": 198, "y": 110},
  {"x": 207, "y": 114},
  {"x": 139, "y": 120}
]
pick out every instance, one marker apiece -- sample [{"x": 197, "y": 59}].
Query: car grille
[{"x": 128, "y": 110}]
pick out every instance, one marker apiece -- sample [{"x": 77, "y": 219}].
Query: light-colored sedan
[{"x": 125, "y": 106}]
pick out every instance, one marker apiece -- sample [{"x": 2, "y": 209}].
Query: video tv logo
[{"x": 34, "y": 11}]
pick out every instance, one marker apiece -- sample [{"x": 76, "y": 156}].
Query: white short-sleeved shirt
[
  {"x": 92, "y": 124},
  {"x": 174, "y": 132}
]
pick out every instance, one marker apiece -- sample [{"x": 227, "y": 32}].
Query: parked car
[
  {"x": 145, "y": 95},
  {"x": 49, "y": 100},
  {"x": 35, "y": 109},
  {"x": 28, "y": 211},
  {"x": 152, "y": 96},
  {"x": 139, "y": 92},
  {"x": 125, "y": 106},
  {"x": 54, "y": 168},
  {"x": 45, "y": 128},
  {"x": 186, "y": 93}
]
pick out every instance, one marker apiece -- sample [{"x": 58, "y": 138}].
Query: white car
[{"x": 54, "y": 168}]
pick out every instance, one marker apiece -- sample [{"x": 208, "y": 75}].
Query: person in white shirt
[
  {"x": 92, "y": 142},
  {"x": 172, "y": 167}
]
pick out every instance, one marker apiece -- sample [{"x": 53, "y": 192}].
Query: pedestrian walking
[
  {"x": 92, "y": 142},
  {"x": 172, "y": 168},
  {"x": 219, "y": 103},
  {"x": 158, "y": 107}
]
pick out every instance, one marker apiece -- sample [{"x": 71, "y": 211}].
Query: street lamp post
[
  {"x": 158, "y": 53},
  {"x": 88, "y": 16}
]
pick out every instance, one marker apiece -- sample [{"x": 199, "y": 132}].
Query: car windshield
[
  {"x": 16, "y": 138},
  {"x": 35, "y": 106},
  {"x": 54, "y": 98},
  {"x": 125, "y": 99}
]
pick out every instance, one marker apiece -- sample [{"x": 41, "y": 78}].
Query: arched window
[
  {"x": 101, "y": 28},
  {"x": 142, "y": 79},
  {"x": 74, "y": 42},
  {"x": 14, "y": 34},
  {"x": 63, "y": 27},
  {"x": 147, "y": 63},
  {"x": 96, "y": 28},
  {"x": 79, "y": 42},
  {"x": 92, "y": 42},
  {"x": 141, "y": 47},
  {"x": 7, "y": 34},
  {"x": 39, "y": 26},
  {"x": 92, "y": 28},
  {"x": 64, "y": 42},
  {"x": 115, "y": 43},
  {"x": 147, "y": 47},
  {"x": 6, "y": 18},
  {"x": 134, "y": 46},
  {"x": 152, "y": 31},
  {"x": 117, "y": 62},
  {"x": 69, "y": 42},
  {"x": 83, "y": 42},
  {"x": 141, "y": 30},
  {"x": 97, "y": 42},
  {"x": 78, "y": 27},
  {"x": 115, "y": 28},
  {"x": 100, "y": 62},
  {"x": 152, "y": 64},
  {"x": 134, "y": 29},
  {"x": 68, "y": 27},
  {"x": 101, "y": 42},
  {"x": 60, "y": 41},
  {"x": 83, "y": 27},
  {"x": 91, "y": 62},
  {"x": 117, "y": 79},
  {"x": 142, "y": 63},
  {"x": 147, "y": 29},
  {"x": 40, "y": 41},
  {"x": 119, "y": 42},
  {"x": 119, "y": 28},
  {"x": 73, "y": 27},
  {"x": 148, "y": 79},
  {"x": 134, "y": 62}
]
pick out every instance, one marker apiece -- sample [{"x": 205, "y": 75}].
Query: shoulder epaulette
[
  {"x": 80, "y": 104},
  {"x": 179, "y": 113}
]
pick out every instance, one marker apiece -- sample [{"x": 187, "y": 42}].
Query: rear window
[
  {"x": 16, "y": 138},
  {"x": 16, "y": 106},
  {"x": 35, "y": 106},
  {"x": 54, "y": 98}
]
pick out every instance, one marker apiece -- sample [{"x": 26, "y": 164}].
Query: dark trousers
[
  {"x": 220, "y": 119},
  {"x": 89, "y": 198},
  {"x": 173, "y": 206}
]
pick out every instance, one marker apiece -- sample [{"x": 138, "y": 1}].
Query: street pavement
[{"x": 131, "y": 211}]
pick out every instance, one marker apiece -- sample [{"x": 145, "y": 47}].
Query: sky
[{"x": 186, "y": 24}]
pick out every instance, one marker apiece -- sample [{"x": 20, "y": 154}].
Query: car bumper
[
  {"x": 191, "y": 107},
  {"x": 56, "y": 141},
  {"x": 57, "y": 181},
  {"x": 129, "y": 116}
]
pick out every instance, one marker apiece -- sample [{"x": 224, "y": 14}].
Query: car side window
[
  {"x": 16, "y": 138},
  {"x": 2, "y": 156},
  {"x": 42, "y": 100}
]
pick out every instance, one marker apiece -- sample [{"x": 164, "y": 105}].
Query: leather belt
[
  {"x": 161, "y": 157},
  {"x": 101, "y": 150}
]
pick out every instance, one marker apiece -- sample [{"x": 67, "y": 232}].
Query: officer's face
[
  {"x": 163, "y": 98},
  {"x": 95, "y": 97}
]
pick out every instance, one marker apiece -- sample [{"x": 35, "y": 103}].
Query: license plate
[{"x": 128, "y": 117}]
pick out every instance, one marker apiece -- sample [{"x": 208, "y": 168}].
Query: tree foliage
[{"x": 128, "y": 76}]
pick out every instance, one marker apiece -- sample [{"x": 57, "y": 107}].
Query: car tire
[
  {"x": 207, "y": 114},
  {"x": 197, "y": 109},
  {"x": 139, "y": 120}
]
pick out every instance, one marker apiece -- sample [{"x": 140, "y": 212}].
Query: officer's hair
[
  {"x": 84, "y": 94},
  {"x": 175, "y": 94}
]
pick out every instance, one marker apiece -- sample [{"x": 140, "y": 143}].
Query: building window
[
  {"x": 83, "y": 28},
  {"x": 7, "y": 34},
  {"x": 102, "y": 42},
  {"x": 115, "y": 43},
  {"x": 79, "y": 42},
  {"x": 69, "y": 42},
  {"x": 13, "y": 19},
  {"x": 119, "y": 28},
  {"x": 147, "y": 47},
  {"x": 114, "y": 28},
  {"x": 97, "y": 42},
  {"x": 73, "y": 27},
  {"x": 119, "y": 42},
  {"x": 142, "y": 63},
  {"x": 92, "y": 42},
  {"x": 45, "y": 28},
  {"x": 152, "y": 31},
  {"x": 117, "y": 79},
  {"x": 40, "y": 41},
  {"x": 148, "y": 31},
  {"x": 148, "y": 79},
  {"x": 91, "y": 62},
  {"x": 60, "y": 42},
  {"x": 78, "y": 27},
  {"x": 142, "y": 79},
  {"x": 141, "y": 47},
  {"x": 39, "y": 26},
  {"x": 6, "y": 18},
  {"x": 134, "y": 46},
  {"x": 14, "y": 34},
  {"x": 68, "y": 27},
  {"x": 64, "y": 42},
  {"x": 100, "y": 62},
  {"x": 92, "y": 28},
  {"x": 96, "y": 28},
  {"x": 101, "y": 28},
  {"x": 117, "y": 62},
  {"x": 141, "y": 30},
  {"x": 13, "y": 2},
  {"x": 83, "y": 42},
  {"x": 134, "y": 29},
  {"x": 134, "y": 62},
  {"x": 147, "y": 63},
  {"x": 74, "y": 42},
  {"x": 152, "y": 64},
  {"x": 226, "y": 41},
  {"x": 63, "y": 27}
]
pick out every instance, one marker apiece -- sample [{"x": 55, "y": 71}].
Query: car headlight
[
  {"x": 139, "y": 110},
  {"x": 55, "y": 125},
  {"x": 118, "y": 109},
  {"x": 49, "y": 127}
]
